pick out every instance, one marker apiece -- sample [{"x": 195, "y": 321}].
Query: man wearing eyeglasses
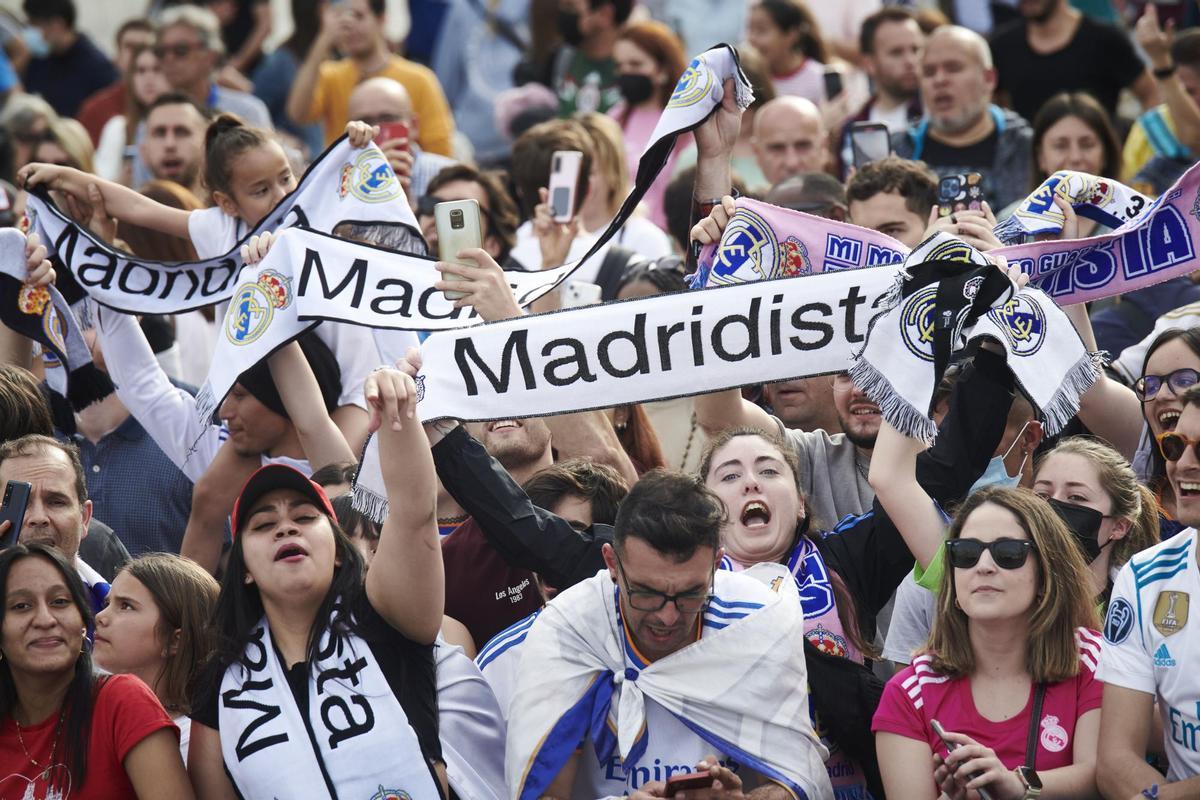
[
  {"x": 1152, "y": 643},
  {"x": 189, "y": 47},
  {"x": 666, "y": 659}
]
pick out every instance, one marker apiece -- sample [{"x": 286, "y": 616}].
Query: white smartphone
[
  {"x": 580, "y": 293},
  {"x": 564, "y": 182},
  {"x": 458, "y": 228}
]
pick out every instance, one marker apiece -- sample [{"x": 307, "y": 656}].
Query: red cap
[{"x": 272, "y": 477}]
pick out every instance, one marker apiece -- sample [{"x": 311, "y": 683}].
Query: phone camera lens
[{"x": 456, "y": 219}]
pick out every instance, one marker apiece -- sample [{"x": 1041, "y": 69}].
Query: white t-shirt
[
  {"x": 184, "y": 723},
  {"x": 213, "y": 232},
  {"x": 1148, "y": 646},
  {"x": 912, "y": 620},
  {"x": 500, "y": 659}
]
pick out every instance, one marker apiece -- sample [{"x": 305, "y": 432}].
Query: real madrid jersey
[{"x": 1152, "y": 643}]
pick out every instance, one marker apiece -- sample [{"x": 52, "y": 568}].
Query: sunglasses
[
  {"x": 1173, "y": 445},
  {"x": 426, "y": 203},
  {"x": 179, "y": 50},
  {"x": 1148, "y": 386},
  {"x": 1006, "y": 553}
]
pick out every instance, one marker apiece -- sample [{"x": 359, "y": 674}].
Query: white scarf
[
  {"x": 903, "y": 360},
  {"x": 741, "y": 688},
  {"x": 360, "y": 736},
  {"x": 1092, "y": 197}
]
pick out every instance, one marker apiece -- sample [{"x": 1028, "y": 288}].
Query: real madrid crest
[
  {"x": 1170, "y": 612},
  {"x": 254, "y": 304},
  {"x": 369, "y": 178}
]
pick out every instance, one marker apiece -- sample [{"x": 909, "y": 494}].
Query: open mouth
[
  {"x": 290, "y": 551},
  {"x": 1189, "y": 489},
  {"x": 1168, "y": 418},
  {"x": 870, "y": 410},
  {"x": 172, "y": 165},
  {"x": 503, "y": 425},
  {"x": 755, "y": 514}
]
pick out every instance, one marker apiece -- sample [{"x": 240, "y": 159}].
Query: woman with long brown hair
[{"x": 117, "y": 144}]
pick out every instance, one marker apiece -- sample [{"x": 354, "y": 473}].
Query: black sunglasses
[
  {"x": 1007, "y": 553},
  {"x": 1148, "y": 386},
  {"x": 426, "y": 203}
]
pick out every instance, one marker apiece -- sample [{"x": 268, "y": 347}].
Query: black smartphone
[
  {"x": 869, "y": 141},
  {"x": 16, "y": 497},
  {"x": 833, "y": 82}
]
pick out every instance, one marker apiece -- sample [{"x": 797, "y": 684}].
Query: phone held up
[
  {"x": 390, "y": 131},
  {"x": 12, "y": 510},
  {"x": 869, "y": 141},
  {"x": 960, "y": 193},
  {"x": 564, "y": 184},
  {"x": 458, "y": 228}
]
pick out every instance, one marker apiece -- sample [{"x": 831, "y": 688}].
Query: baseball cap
[{"x": 272, "y": 477}]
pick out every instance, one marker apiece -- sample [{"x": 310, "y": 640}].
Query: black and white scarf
[
  {"x": 353, "y": 741},
  {"x": 948, "y": 296}
]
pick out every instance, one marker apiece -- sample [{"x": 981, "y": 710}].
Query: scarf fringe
[
  {"x": 1064, "y": 405},
  {"x": 88, "y": 384},
  {"x": 900, "y": 414},
  {"x": 369, "y": 503}
]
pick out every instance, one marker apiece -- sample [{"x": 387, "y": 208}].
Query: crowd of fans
[{"x": 198, "y": 609}]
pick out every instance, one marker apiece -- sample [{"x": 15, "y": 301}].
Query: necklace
[
  {"x": 54, "y": 746},
  {"x": 687, "y": 449}
]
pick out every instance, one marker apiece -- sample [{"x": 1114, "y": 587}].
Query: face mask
[
  {"x": 1084, "y": 524},
  {"x": 38, "y": 47},
  {"x": 568, "y": 27},
  {"x": 996, "y": 474},
  {"x": 635, "y": 88}
]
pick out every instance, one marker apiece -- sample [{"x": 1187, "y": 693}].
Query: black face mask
[
  {"x": 635, "y": 88},
  {"x": 1084, "y": 524},
  {"x": 568, "y": 27}
]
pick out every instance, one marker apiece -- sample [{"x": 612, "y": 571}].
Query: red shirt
[
  {"x": 917, "y": 694},
  {"x": 100, "y": 108},
  {"x": 125, "y": 713}
]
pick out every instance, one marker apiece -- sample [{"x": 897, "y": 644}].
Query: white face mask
[{"x": 996, "y": 474}]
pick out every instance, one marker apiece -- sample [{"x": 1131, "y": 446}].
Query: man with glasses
[
  {"x": 1150, "y": 653},
  {"x": 189, "y": 46},
  {"x": 629, "y": 629},
  {"x": 384, "y": 101}
]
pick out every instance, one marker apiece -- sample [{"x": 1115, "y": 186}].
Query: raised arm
[
  {"x": 213, "y": 496},
  {"x": 300, "y": 106},
  {"x": 120, "y": 201},
  {"x": 406, "y": 583},
  {"x": 320, "y": 438},
  {"x": 1109, "y": 409},
  {"x": 1185, "y": 114},
  {"x": 14, "y": 348}
]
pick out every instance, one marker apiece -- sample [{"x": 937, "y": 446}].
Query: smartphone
[
  {"x": 16, "y": 497},
  {"x": 960, "y": 192},
  {"x": 564, "y": 183},
  {"x": 869, "y": 141},
  {"x": 688, "y": 781},
  {"x": 458, "y": 228},
  {"x": 580, "y": 293},
  {"x": 391, "y": 130},
  {"x": 950, "y": 748},
  {"x": 833, "y": 82}
]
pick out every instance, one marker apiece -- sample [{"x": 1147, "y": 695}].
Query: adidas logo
[{"x": 1162, "y": 656}]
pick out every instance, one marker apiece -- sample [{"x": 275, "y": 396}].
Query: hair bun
[{"x": 223, "y": 123}]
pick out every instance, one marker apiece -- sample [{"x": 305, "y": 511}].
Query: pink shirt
[
  {"x": 638, "y": 129},
  {"x": 917, "y": 694}
]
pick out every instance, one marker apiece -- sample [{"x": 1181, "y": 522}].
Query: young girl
[
  {"x": 156, "y": 626},
  {"x": 245, "y": 170}
]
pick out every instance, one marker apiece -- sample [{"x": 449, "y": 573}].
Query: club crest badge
[
  {"x": 390, "y": 794},
  {"x": 1054, "y": 737},
  {"x": 917, "y": 322},
  {"x": 253, "y": 306},
  {"x": 1023, "y": 324},
  {"x": 748, "y": 251},
  {"x": 1170, "y": 612},
  {"x": 693, "y": 87},
  {"x": 33, "y": 299},
  {"x": 369, "y": 178}
]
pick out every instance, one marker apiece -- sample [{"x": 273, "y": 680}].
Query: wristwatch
[{"x": 1029, "y": 779}]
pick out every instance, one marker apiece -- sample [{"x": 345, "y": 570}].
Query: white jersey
[
  {"x": 671, "y": 747},
  {"x": 1148, "y": 646}
]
